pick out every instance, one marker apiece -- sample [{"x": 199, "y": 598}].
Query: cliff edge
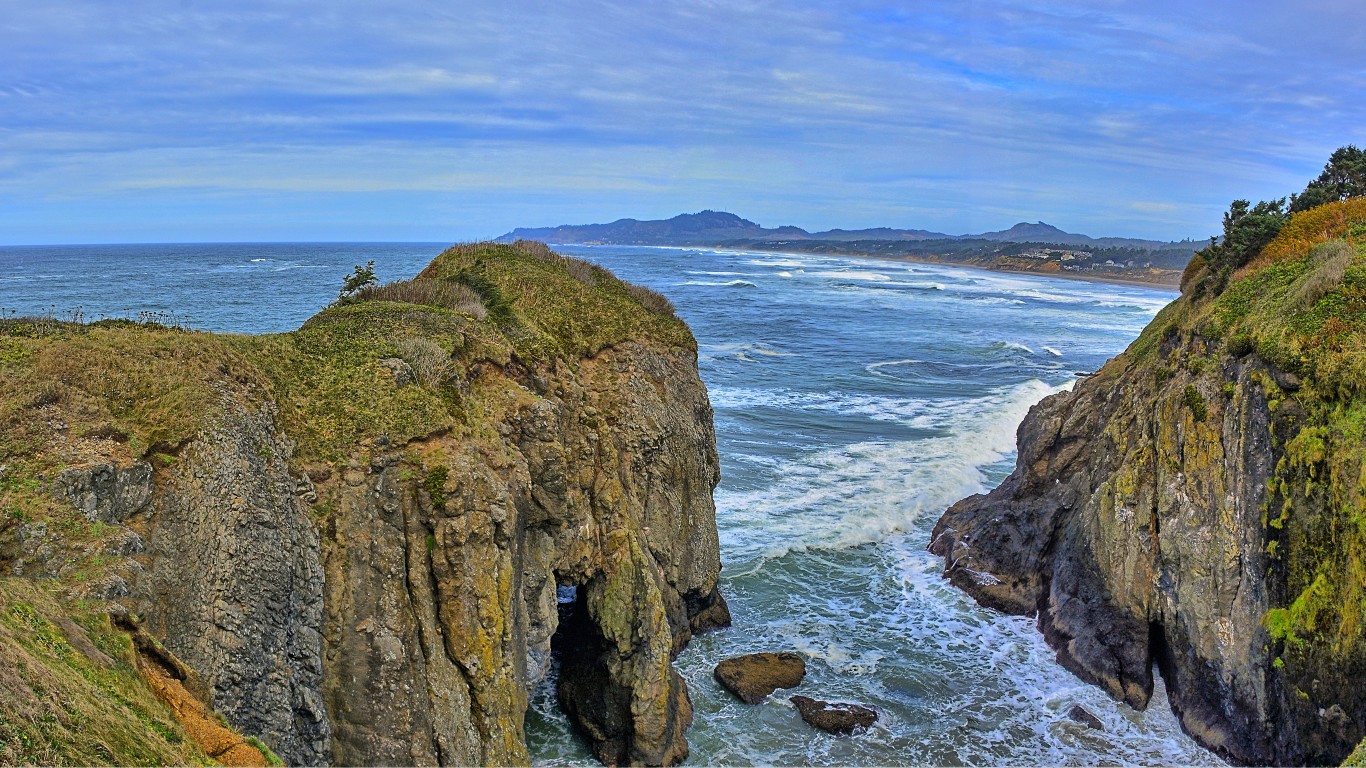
[
  {"x": 361, "y": 536},
  {"x": 1199, "y": 503}
]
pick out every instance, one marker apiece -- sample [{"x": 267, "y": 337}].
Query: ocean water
[{"x": 855, "y": 399}]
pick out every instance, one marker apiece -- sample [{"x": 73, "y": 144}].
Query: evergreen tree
[{"x": 1344, "y": 176}]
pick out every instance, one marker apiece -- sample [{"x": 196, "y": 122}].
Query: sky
[{"x": 342, "y": 120}]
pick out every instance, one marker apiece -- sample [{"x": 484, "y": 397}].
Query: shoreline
[
  {"x": 1173, "y": 287},
  {"x": 1112, "y": 279},
  {"x": 1115, "y": 280}
]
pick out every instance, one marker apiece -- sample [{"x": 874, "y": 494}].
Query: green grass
[{"x": 62, "y": 707}]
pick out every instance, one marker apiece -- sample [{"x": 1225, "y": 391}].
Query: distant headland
[{"x": 1035, "y": 248}]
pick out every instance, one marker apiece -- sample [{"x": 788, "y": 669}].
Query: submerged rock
[
  {"x": 834, "y": 716},
  {"x": 755, "y": 676},
  {"x": 1082, "y": 715}
]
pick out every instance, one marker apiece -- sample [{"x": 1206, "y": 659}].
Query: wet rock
[
  {"x": 755, "y": 676},
  {"x": 1082, "y": 715},
  {"x": 834, "y": 716}
]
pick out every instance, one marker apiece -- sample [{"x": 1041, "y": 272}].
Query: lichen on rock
[
  {"x": 363, "y": 570},
  {"x": 1198, "y": 504}
]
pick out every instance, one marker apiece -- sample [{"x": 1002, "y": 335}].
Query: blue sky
[{"x": 187, "y": 120}]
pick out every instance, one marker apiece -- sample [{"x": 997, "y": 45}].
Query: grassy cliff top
[
  {"x": 143, "y": 390},
  {"x": 1300, "y": 303}
]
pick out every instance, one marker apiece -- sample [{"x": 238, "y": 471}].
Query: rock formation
[
  {"x": 836, "y": 717},
  {"x": 1198, "y": 504},
  {"x": 354, "y": 533},
  {"x": 754, "y": 676}
]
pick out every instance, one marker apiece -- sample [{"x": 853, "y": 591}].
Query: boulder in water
[
  {"x": 834, "y": 717},
  {"x": 1084, "y": 716},
  {"x": 755, "y": 676}
]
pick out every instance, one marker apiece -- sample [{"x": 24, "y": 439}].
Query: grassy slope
[
  {"x": 70, "y": 393},
  {"x": 71, "y": 693}
]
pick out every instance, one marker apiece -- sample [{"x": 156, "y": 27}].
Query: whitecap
[
  {"x": 727, "y": 284},
  {"x": 850, "y": 274},
  {"x": 776, "y": 263},
  {"x": 1052, "y": 351},
  {"x": 1013, "y": 345},
  {"x": 861, "y": 493}
]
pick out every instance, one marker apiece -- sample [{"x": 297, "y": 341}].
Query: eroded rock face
[
  {"x": 107, "y": 493},
  {"x": 406, "y": 616},
  {"x": 233, "y": 582},
  {"x": 1134, "y": 526}
]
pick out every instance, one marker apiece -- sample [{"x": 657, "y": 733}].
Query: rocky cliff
[
  {"x": 1199, "y": 505},
  {"x": 357, "y": 534}
]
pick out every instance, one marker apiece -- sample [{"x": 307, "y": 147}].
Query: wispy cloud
[{"x": 1108, "y": 116}]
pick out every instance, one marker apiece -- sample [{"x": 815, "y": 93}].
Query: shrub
[
  {"x": 430, "y": 292},
  {"x": 651, "y": 300},
  {"x": 430, "y": 362},
  {"x": 1330, "y": 262},
  {"x": 1194, "y": 269},
  {"x": 1309, "y": 228},
  {"x": 1196, "y": 402},
  {"x": 435, "y": 485},
  {"x": 1240, "y": 344},
  {"x": 359, "y": 279}
]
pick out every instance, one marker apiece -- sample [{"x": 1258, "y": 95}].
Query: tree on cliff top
[
  {"x": 1344, "y": 176},
  {"x": 359, "y": 279},
  {"x": 1249, "y": 228}
]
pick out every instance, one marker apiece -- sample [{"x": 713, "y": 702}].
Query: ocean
[{"x": 855, "y": 399}]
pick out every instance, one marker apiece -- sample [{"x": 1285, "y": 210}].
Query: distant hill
[
  {"x": 701, "y": 228},
  {"x": 719, "y": 228},
  {"x": 1039, "y": 232}
]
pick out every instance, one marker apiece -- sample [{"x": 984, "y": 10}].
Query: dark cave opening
[{"x": 598, "y": 710}]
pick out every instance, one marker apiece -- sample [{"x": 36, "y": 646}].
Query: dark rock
[
  {"x": 755, "y": 676},
  {"x": 105, "y": 492},
  {"x": 834, "y": 716},
  {"x": 1285, "y": 380},
  {"x": 1084, "y": 716}
]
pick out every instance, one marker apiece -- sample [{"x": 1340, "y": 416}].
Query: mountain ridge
[{"x": 711, "y": 227}]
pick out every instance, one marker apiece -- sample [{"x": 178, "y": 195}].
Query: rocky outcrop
[
  {"x": 835, "y": 717},
  {"x": 106, "y": 492},
  {"x": 233, "y": 581},
  {"x": 1194, "y": 505},
  {"x": 359, "y": 554},
  {"x": 754, "y": 676},
  {"x": 1080, "y": 714}
]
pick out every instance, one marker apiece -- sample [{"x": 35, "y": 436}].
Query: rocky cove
[
  {"x": 365, "y": 540},
  {"x": 349, "y": 540}
]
